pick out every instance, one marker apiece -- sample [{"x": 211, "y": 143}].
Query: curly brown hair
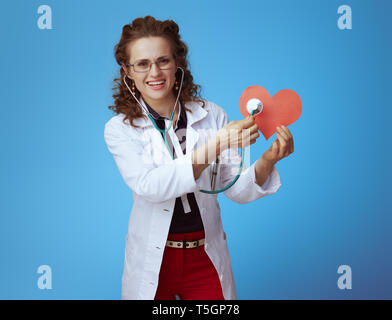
[{"x": 150, "y": 27}]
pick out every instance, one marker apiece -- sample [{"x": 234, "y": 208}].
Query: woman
[{"x": 176, "y": 246}]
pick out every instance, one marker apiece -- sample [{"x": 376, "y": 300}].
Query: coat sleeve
[
  {"x": 245, "y": 189},
  {"x": 155, "y": 184}
]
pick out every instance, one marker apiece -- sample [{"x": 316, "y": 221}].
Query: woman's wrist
[
  {"x": 267, "y": 160},
  {"x": 263, "y": 168}
]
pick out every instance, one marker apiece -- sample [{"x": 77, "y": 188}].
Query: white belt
[{"x": 185, "y": 244}]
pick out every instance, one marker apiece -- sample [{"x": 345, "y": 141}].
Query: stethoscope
[{"x": 254, "y": 106}]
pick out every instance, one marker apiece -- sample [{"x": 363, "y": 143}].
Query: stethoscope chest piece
[{"x": 254, "y": 106}]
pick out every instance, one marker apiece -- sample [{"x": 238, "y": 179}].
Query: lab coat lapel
[{"x": 197, "y": 114}]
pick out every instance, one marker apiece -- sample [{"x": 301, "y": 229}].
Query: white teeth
[{"x": 155, "y": 83}]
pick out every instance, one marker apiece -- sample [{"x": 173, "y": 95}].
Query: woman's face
[{"x": 152, "y": 49}]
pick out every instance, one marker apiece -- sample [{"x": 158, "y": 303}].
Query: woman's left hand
[{"x": 282, "y": 147}]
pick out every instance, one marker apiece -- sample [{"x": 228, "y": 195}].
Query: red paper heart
[{"x": 284, "y": 108}]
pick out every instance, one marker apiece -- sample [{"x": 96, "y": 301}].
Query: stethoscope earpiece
[{"x": 254, "y": 106}]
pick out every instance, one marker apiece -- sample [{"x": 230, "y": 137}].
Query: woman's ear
[{"x": 126, "y": 71}]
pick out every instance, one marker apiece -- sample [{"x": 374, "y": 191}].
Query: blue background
[{"x": 64, "y": 203}]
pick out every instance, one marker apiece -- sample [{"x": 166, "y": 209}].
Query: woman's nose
[{"x": 154, "y": 69}]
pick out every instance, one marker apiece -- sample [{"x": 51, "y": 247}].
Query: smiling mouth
[{"x": 156, "y": 83}]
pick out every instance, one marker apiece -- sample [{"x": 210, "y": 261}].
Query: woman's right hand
[
  {"x": 238, "y": 134},
  {"x": 235, "y": 134}
]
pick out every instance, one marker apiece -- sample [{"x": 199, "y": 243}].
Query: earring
[
  {"x": 133, "y": 87},
  {"x": 176, "y": 85}
]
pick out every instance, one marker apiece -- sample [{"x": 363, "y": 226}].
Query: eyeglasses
[{"x": 145, "y": 65}]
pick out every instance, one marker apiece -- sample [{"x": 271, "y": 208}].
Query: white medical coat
[{"x": 157, "y": 180}]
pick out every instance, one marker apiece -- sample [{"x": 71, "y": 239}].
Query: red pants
[{"x": 188, "y": 273}]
